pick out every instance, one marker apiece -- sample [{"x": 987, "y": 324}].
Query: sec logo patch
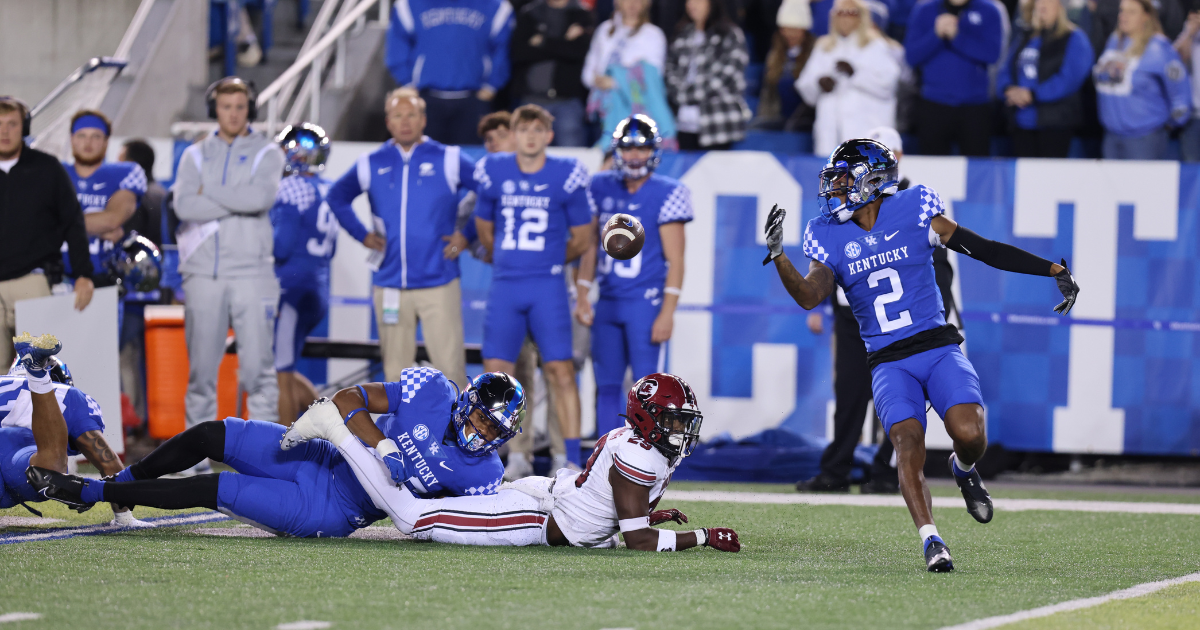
[
  {"x": 853, "y": 249},
  {"x": 421, "y": 432}
]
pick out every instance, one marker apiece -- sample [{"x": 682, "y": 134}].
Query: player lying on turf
[
  {"x": 878, "y": 244},
  {"x": 617, "y": 491},
  {"x": 43, "y": 420},
  {"x": 444, "y": 439}
]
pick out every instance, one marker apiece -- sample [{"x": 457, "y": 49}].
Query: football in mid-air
[{"x": 623, "y": 236}]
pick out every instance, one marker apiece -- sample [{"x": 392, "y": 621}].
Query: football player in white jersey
[{"x": 617, "y": 491}]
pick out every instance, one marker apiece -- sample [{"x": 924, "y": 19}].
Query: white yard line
[
  {"x": 1075, "y": 604},
  {"x": 304, "y": 625},
  {"x": 19, "y": 616},
  {"x": 1003, "y": 505}
]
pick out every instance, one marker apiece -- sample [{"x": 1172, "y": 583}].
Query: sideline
[
  {"x": 1075, "y": 604},
  {"x": 1001, "y": 505},
  {"x": 60, "y": 533}
]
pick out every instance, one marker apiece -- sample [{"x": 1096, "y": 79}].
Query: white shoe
[
  {"x": 322, "y": 420},
  {"x": 126, "y": 519},
  {"x": 519, "y": 467}
]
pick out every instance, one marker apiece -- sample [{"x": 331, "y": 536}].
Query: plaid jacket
[{"x": 719, "y": 84}]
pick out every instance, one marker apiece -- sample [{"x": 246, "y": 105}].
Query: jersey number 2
[
  {"x": 534, "y": 221},
  {"x": 904, "y": 319}
]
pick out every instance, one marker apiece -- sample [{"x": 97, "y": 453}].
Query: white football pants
[{"x": 509, "y": 518}]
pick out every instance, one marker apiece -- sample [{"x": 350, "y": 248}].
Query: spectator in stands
[
  {"x": 1141, "y": 85},
  {"x": 1040, "y": 80},
  {"x": 952, "y": 43},
  {"x": 147, "y": 219},
  {"x": 850, "y": 79},
  {"x": 822, "y": 12},
  {"x": 224, "y": 187},
  {"x": 38, "y": 212},
  {"x": 1188, "y": 47},
  {"x": 624, "y": 70},
  {"x": 413, "y": 184},
  {"x": 791, "y": 46},
  {"x": 549, "y": 45},
  {"x": 456, "y": 54},
  {"x": 1171, "y": 16},
  {"x": 706, "y": 78}
]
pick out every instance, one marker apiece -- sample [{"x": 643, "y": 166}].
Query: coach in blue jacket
[
  {"x": 456, "y": 53},
  {"x": 952, "y": 43},
  {"x": 412, "y": 184}
]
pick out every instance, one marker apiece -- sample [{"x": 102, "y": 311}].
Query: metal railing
[{"x": 297, "y": 91}]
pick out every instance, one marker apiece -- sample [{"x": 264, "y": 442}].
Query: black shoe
[
  {"x": 937, "y": 557},
  {"x": 66, "y": 489},
  {"x": 823, "y": 483},
  {"x": 979, "y": 502},
  {"x": 880, "y": 486}
]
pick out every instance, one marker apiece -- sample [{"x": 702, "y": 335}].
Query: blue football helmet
[
  {"x": 135, "y": 264},
  {"x": 860, "y": 170},
  {"x": 638, "y": 130},
  {"x": 501, "y": 399},
  {"x": 306, "y": 148}
]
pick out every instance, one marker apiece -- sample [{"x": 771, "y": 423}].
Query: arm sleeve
[
  {"x": 1074, "y": 71},
  {"x": 398, "y": 57},
  {"x": 920, "y": 42},
  {"x": 258, "y": 195},
  {"x": 502, "y": 27},
  {"x": 343, "y": 192},
  {"x": 190, "y": 205},
  {"x": 1002, "y": 256},
  {"x": 980, "y": 42},
  {"x": 70, "y": 217},
  {"x": 579, "y": 200}
]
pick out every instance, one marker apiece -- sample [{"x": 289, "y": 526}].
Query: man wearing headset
[
  {"x": 38, "y": 212},
  {"x": 224, "y": 190}
]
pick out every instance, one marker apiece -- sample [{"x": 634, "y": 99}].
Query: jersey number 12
[{"x": 534, "y": 221}]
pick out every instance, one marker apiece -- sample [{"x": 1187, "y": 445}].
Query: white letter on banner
[
  {"x": 1089, "y": 423},
  {"x": 751, "y": 174},
  {"x": 947, "y": 176}
]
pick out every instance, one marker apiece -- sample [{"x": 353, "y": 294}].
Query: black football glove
[
  {"x": 774, "y": 233},
  {"x": 1070, "y": 290}
]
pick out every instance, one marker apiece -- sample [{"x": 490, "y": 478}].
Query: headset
[
  {"x": 26, "y": 119},
  {"x": 210, "y": 96}
]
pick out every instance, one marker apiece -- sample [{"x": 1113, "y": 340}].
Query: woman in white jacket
[
  {"x": 851, "y": 78},
  {"x": 626, "y": 39}
]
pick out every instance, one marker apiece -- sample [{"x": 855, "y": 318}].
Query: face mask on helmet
[
  {"x": 662, "y": 409},
  {"x": 500, "y": 401},
  {"x": 59, "y": 373},
  {"x": 637, "y": 131},
  {"x": 858, "y": 172}
]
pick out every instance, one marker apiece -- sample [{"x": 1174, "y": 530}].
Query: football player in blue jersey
[
  {"x": 43, "y": 420},
  {"x": 305, "y": 238},
  {"x": 534, "y": 214},
  {"x": 636, "y": 312},
  {"x": 444, "y": 445},
  {"x": 108, "y": 191},
  {"x": 877, "y": 244}
]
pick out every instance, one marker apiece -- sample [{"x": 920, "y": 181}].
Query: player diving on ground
[
  {"x": 618, "y": 490},
  {"x": 877, "y": 244},
  {"x": 435, "y": 440}
]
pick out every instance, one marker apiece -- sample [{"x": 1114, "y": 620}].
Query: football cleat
[
  {"x": 979, "y": 502},
  {"x": 937, "y": 557},
  {"x": 320, "y": 421},
  {"x": 36, "y": 354},
  {"x": 66, "y": 489}
]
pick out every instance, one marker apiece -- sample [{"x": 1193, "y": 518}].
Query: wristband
[
  {"x": 666, "y": 540},
  {"x": 40, "y": 385},
  {"x": 701, "y": 537},
  {"x": 386, "y": 446},
  {"x": 633, "y": 524},
  {"x": 586, "y": 283},
  {"x": 673, "y": 291}
]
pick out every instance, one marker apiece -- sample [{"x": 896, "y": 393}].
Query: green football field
[{"x": 810, "y": 566}]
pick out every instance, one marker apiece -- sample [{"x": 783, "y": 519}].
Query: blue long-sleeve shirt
[
  {"x": 415, "y": 196},
  {"x": 955, "y": 72},
  {"x": 1149, "y": 92},
  {"x": 1076, "y": 65},
  {"x": 450, "y": 45}
]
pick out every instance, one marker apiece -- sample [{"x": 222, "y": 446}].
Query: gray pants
[{"x": 213, "y": 305}]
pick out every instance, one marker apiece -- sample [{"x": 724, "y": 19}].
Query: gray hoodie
[{"x": 223, "y": 197}]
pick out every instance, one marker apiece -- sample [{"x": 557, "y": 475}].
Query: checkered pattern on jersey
[
  {"x": 135, "y": 181},
  {"x": 481, "y": 174},
  {"x": 490, "y": 488},
  {"x": 579, "y": 177},
  {"x": 812, "y": 248},
  {"x": 677, "y": 207},
  {"x": 931, "y": 205},
  {"x": 412, "y": 379},
  {"x": 293, "y": 190}
]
